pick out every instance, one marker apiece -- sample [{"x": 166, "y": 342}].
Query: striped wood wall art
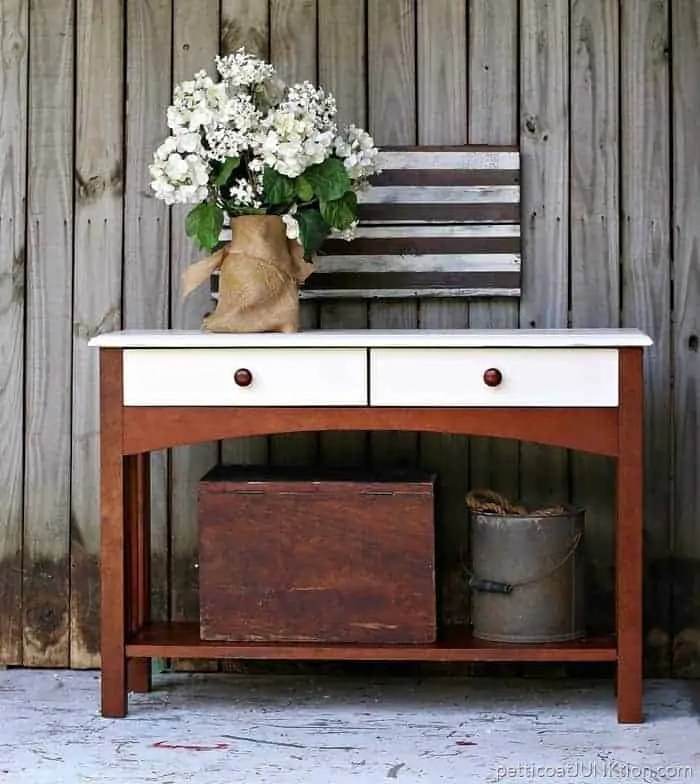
[{"x": 438, "y": 221}]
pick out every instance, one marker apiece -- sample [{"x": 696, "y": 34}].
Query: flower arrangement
[{"x": 248, "y": 144}]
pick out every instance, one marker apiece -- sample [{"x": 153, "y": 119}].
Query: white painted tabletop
[{"x": 377, "y": 338}]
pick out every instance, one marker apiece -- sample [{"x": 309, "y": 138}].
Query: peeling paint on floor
[{"x": 238, "y": 729}]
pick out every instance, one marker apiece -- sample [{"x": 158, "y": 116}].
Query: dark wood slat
[
  {"x": 408, "y": 245},
  {"x": 497, "y": 212},
  {"x": 413, "y": 280},
  {"x": 451, "y": 148},
  {"x": 447, "y": 177},
  {"x": 182, "y": 639}
]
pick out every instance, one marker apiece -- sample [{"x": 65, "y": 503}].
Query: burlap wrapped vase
[{"x": 260, "y": 271}]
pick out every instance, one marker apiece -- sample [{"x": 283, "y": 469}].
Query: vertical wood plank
[
  {"x": 685, "y": 575},
  {"x": 97, "y": 297},
  {"x": 493, "y": 119},
  {"x": 544, "y": 113},
  {"x": 245, "y": 23},
  {"x": 195, "y": 45},
  {"x": 595, "y": 260},
  {"x": 146, "y": 295},
  {"x": 48, "y": 339},
  {"x": 293, "y": 53},
  {"x": 442, "y": 119},
  {"x": 646, "y": 269},
  {"x": 391, "y": 71},
  {"x": 342, "y": 70},
  {"x": 13, "y": 171}
]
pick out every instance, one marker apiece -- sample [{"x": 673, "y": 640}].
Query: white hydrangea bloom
[
  {"x": 300, "y": 130},
  {"x": 178, "y": 178},
  {"x": 356, "y": 147},
  {"x": 198, "y": 104}
]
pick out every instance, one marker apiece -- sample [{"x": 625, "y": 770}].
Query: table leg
[
  {"x": 137, "y": 505},
  {"x": 630, "y": 503},
  {"x": 112, "y": 540}
]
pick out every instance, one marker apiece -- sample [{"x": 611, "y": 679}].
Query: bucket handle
[{"x": 495, "y": 586}]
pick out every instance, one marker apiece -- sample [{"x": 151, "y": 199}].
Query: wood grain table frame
[{"x": 129, "y": 434}]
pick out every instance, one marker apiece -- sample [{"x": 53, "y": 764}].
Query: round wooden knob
[
  {"x": 243, "y": 377},
  {"x": 492, "y": 377}
]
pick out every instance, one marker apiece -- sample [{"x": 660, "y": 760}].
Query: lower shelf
[{"x": 181, "y": 640}]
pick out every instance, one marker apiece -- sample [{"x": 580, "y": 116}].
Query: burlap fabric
[{"x": 260, "y": 274}]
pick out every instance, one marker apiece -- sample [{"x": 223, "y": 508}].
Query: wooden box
[{"x": 290, "y": 555}]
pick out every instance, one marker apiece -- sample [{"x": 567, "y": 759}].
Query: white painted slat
[
  {"x": 368, "y": 293},
  {"x": 454, "y": 377},
  {"x": 428, "y": 262},
  {"x": 421, "y": 230},
  {"x": 426, "y": 230},
  {"x": 453, "y": 159},
  {"x": 434, "y": 194},
  {"x": 281, "y": 377}
]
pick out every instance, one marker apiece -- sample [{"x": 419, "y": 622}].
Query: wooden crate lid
[{"x": 316, "y": 479}]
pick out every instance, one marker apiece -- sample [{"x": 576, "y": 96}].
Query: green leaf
[
  {"x": 313, "y": 230},
  {"x": 230, "y": 165},
  {"x": 278, "y": 188},
  {"x": 340, "y": 212},
  {"x": 203, "y": 223},
  {"x": 329, "y": 179},
  {"x": 304, "y": 189}
]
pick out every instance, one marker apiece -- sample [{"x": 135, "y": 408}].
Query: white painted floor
[{"x": 226, "y": 729}]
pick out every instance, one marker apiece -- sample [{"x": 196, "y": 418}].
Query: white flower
[
  {"x": 299, "y": 131},
  {"x": 291, "y": 226},
  {"x": 189, "y": 142},
  {"x": 241, "y": 69},
  {"x": 245, "y": 194},
  {"x": 179, "y": 179},
  {"x": 356, "y": 147},
  {"x": 345, "y": 234}
]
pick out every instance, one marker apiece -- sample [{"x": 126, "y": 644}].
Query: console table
[{"x": 579, "y": 389}]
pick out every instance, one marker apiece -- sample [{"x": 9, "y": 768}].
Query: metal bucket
[{"x": 527, "y": 576}]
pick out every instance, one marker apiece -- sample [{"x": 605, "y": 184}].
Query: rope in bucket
[{"x": 491, "y": 502}]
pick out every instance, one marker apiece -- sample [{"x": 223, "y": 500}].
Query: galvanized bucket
[{"x": 527, "y": 576}]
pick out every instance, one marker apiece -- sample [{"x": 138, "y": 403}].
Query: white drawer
[
  {"x": 529, "y": 377},
  {"x": 280, "y": 377}
]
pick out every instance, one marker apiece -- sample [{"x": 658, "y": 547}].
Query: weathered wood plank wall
[{"x": 601, "y": 95}]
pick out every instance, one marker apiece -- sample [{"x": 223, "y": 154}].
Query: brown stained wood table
[{"x": 578, "y": 389}]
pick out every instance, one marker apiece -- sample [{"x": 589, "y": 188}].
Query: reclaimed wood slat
[
  {"x": 441, "y": 47},
  {"x": 595, "y": 260},
  {"x": 14, "y": 33},
  {"x": 342, "y": 71},
  {"x": 417, "y": 193},
  {"x": 646, "y": 265},
  {"x": 685, "y": 557},
  {"x": 146, "y": 294},
  {"x": 195, "y": 44},
  {"x": 49, "y": 286},
  {"x": 245, "y": 23},
  {"x": 99, "y": 171},
  {"x": 293, "y": 53},
  {"x": 544, "y": 89},
  {"x": 493, "y": 69}
]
